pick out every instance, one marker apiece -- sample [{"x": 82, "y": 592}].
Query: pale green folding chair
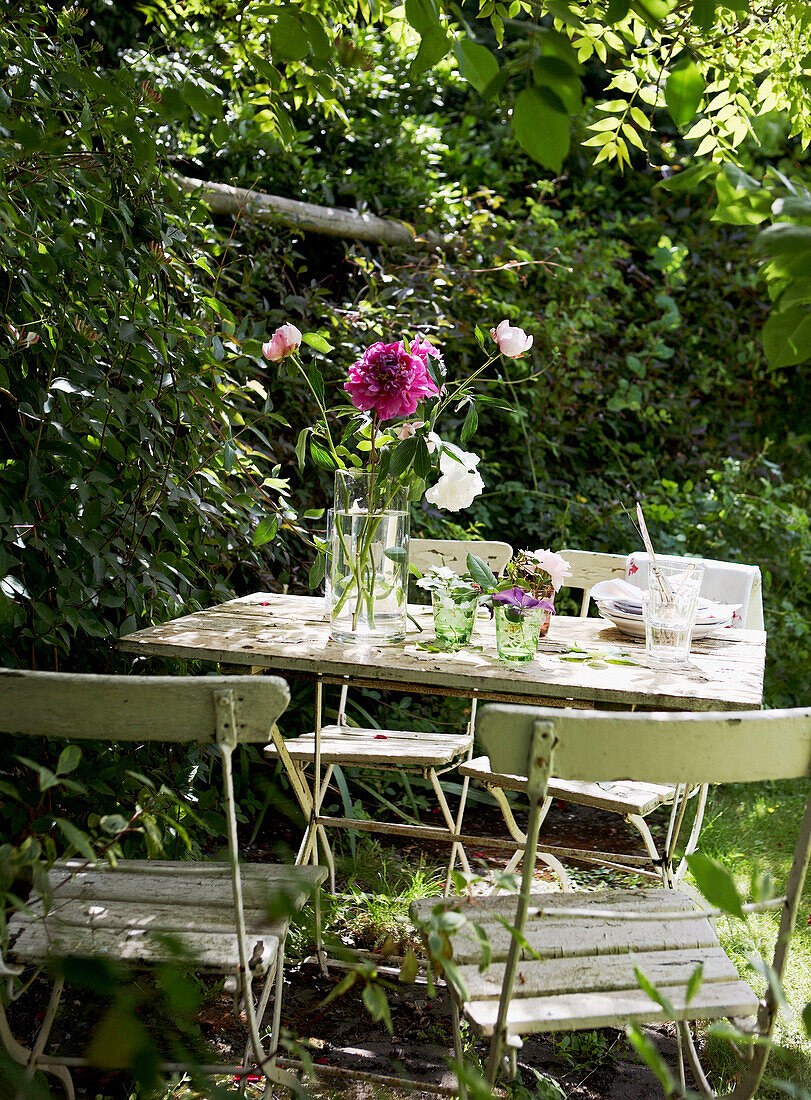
[
  {"x": 568, "y": 961},
  {"x": 632, "y": 800},
  {"x": 143, "y": 911}
]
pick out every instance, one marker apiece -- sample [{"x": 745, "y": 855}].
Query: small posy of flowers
[
  {"x": 457, "y": 587},
  {"x": 518, "y": 603},
  {"x": 531, "y": 579},
  {"x": 539, "y": 570}
]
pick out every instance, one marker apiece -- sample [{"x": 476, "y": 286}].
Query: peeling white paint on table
[{"x": 291, "y": 634}]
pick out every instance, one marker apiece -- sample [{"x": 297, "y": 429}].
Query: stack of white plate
[{"x": 621, "y": 604}]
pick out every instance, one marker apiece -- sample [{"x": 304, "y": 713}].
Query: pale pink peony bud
[
  {"x": 284, "y": 341},
  {"x": 512, "y": 342}
]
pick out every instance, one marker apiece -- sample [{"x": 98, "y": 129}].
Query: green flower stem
[{"x": 321, "y": 408}]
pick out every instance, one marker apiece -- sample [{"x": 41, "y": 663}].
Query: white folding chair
[
  {"x": 569, "y": 962},
  {"x": 142, "y": 911},
  {"x": 632, "y": 800},
  {"x": 344, "y": 744}
]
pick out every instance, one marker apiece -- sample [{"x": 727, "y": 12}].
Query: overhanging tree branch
[{"x": 222, "y": 198}]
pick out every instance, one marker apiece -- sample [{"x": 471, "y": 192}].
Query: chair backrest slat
[
  {"x": 425, "y": 554},
  {"x": 589, "y": 569},
  {"x": 136, "y": 708},
  {"x": 595, "y": 746}
]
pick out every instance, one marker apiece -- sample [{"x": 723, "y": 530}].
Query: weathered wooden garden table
[{"x": 290, "y": 634}]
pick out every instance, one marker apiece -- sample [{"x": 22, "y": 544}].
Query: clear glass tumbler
[
  {"x": 453, "y": 620},
  {"x": 669, "y": 611},
  {"x": 517, "y": 633}
]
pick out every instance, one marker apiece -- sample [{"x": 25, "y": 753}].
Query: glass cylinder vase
[
  {"x": 368, "y": 560},
  {"x": 517, "y": 633}
]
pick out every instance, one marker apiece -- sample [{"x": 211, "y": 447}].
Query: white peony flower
[
  {"x": 512, "y": 342},
  {"x": 460, "y": 482}
]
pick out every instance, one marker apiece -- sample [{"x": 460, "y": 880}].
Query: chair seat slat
[
  {"x": 576, "y": 1011},
  {"x": 34, "y": 941},
  {"x": 134, "y": 881},
  {"x": 344, "y": 745},
  {"x": 617, "y": 797},
  {"x": 601, "y": 973}
]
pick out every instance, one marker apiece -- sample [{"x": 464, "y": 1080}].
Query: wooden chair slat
[
  {"x": 551, "y": 977},
  {"x": 599, "y": 746},
  {"x": 205, "y": 950},
  {"x": 576, "y": 1012},
  {"x": 350, "y": 745},
  {"x": 135, "y": 708},
  {"x": 197, "y": 883},
  {"x": 622, "y": 798}
]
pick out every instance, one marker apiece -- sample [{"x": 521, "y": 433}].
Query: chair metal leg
[
  {"x": 456, "y": 847},
  {"x": 552, "y": 862},
  {"x": 686, "y": 1036},
  {"x": 457, "y": 1041},
  {"x": 692, "y": 843},
  {"x": 449, "y": 821},
  {"x": 31, "y": 1058},
  {"x": 640, "y": 824}
]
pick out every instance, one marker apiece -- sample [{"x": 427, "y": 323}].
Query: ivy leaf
[
  {"x": 683, "y": 91},
  {"x": 542, "y": 130}
]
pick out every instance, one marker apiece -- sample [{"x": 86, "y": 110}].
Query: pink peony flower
[
  {"x": 512, "y": 342},
  {"x": 391, "y": 380},
  {"x": 553, "y": 564},
  {"x": 284, "y": 341}
]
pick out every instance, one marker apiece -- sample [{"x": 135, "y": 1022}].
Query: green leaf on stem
[
  {"x": 716, "y": 884},
  {"x": 470, "y": 424},
  {"x": 481, "y": 573},
  {"x": 301, "y": 447},
  {"x": 266, "y": 530},
  {"x": 422, "y": 459},
  {"x": 317, "y": 383},
  {"x": 316, "y": 342},
  {"x": 684, "y": 90},
  {"x": 403, "y": 456},
  {"x": 317, "y": 570}
]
